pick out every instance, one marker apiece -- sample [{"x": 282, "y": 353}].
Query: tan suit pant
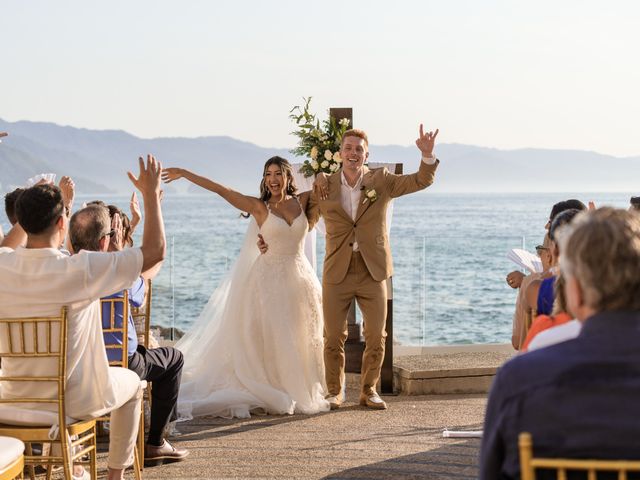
[{"x": 371, "y": 297}]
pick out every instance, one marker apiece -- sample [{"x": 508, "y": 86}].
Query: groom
[{"x": 358, "y": 257}]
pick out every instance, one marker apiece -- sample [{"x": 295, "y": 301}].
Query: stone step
[{"x": 463, "y": 369}]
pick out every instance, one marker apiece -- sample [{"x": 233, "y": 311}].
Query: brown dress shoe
[
  {"x": 373, "y": 401},
  {"x": 165, "y": 453}
]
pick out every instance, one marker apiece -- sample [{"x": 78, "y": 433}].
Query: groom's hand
[
  {"x": 262, "y": 245},
  {"x": 426, "y": 142}
]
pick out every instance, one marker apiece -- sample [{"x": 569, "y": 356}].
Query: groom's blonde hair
[{"x": 354, "y": 132}]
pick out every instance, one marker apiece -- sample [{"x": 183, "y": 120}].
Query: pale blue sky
[{"x": 506, "y": 74}]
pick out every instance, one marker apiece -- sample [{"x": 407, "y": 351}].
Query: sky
[{"x": 503, "y": 74}]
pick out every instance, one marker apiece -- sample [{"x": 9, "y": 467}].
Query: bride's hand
[
  {"x": 321, "y": 186},
  {"x": 171, "y": 174}
]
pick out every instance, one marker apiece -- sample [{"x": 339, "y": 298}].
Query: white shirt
[
  {"x": 559, "y": 334},
  {"x": 39, "y": 282},
  {"x": 350, "y": 198}
]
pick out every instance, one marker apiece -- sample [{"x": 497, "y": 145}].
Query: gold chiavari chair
[
  {"x": 123, "y": 329},
  {"x": 142, "y": 320},
  {"x": 529, "y": 464},
  {"x": 11, "y": 458},
  {"x": 38, "y": 340}
]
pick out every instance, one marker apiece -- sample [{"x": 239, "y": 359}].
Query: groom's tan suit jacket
[{"x": 369, "y": 228}]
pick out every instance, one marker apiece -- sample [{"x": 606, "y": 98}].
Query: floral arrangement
[{"x": 319, "y": 141}]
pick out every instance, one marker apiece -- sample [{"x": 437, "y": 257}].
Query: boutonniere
[{"x": 370, "y": 195}]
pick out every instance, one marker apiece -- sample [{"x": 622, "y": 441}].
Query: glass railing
[{"x": 445, "y": 290}]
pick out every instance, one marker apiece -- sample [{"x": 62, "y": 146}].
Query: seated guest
[
  {"x": 162, "y": 366},
  {"x": 540, "y": 294},
  {"x": 39, "y": 280},
  {"x": 579, "y": 398},
  {"x": 519, "y": 329},
  {"x": 10, "y": 205},
  {"x": 515, "y": 278},
  {"x": 559, "y": 316}
]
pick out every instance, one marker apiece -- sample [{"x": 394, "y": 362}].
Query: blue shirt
[
  {"x": 546, "y": 296},
  {"x": 136, "y": 299},
  {"x": 578, "y": 399}
]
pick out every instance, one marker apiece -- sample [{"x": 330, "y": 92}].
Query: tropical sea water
[{"x": 449, "y": 255}]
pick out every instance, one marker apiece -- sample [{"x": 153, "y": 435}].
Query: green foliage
[{"x": 318, "y": 140}]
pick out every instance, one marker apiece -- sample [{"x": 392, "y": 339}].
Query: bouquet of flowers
[{"x": 319, "y": 141}]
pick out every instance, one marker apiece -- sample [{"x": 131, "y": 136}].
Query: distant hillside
[{"x": 98, "y": 160}]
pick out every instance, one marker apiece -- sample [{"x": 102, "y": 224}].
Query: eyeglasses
[
  {"x": 111, "y": 233},
  {"x": 540, "y": 248}
]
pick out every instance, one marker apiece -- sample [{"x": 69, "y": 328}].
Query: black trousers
[{"x": 163, "y": 367}]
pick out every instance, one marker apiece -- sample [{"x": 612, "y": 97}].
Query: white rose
[
  {"x": 371, "y": 193},
  {"x": 328, "y": 155},
  {"x": 334, "y": 167},
  {"x": 324, "y": 164},
  {"x": 314, "y": 165},
  {"x": 337, "y": 158},
  {"x": 314, "y": 152},
  {"x": 324, "y": 138},
  {"x": 344, "y": 122}
]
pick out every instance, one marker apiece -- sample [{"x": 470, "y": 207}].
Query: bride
[{"x": 257, "y": 344}]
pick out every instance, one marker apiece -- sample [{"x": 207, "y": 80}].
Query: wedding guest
[
  {"x": 578, "y": 398},
  {"x": 519, "y": 329},
  {"x": 10, "y": 205},
  {"x": 162, "y": 366},
  {"x": 559, "y": 316},
  {"x": 39, "y": 280},
  {"x": 634, "y": 204},
  {"x": 540, "y": 293},
  {"x": 515, "y": 278}
]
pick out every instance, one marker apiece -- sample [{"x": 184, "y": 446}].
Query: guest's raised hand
[
  {"x": 262, "y": 245},
  {"x": 148, "y": 180},
  {"x": 426, "y": 141},
  {"x": 134, "y": 207},
  {"x": 68, "y": 190},
  {"x": 171, "y": 174},
  {"x": 117, "y": 237},
  {"x": 321, "y": 186}
]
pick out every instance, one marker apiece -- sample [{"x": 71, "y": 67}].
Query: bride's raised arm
[{"x": 251, "y": 205}]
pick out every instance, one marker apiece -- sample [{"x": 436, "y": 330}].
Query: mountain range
[{"x": 98, "y": 160}]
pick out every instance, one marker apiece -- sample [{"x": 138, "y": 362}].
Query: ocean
[{"x": 449, "y": 254}]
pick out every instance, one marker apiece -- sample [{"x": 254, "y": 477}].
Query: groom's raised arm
[{"x": 404, "y": 184}]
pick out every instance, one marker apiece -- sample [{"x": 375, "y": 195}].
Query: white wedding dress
[{"x": 258, "y": 342}]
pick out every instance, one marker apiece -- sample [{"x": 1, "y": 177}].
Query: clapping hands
[{"x": 426, "y": 141}]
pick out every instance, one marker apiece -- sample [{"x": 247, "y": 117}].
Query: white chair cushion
[
  {"x": 27, "y": 417},
  {"x": 10, "y": 450}
]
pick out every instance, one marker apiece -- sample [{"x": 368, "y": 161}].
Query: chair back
[
  {"x": 40, "y": 338},
  {"x": 529, "y": 464},
  {"x": 110, "y": 325},
  {"x": 142, "y": 317}
]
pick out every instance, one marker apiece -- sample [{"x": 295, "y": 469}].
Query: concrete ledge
[{"x": 448, "y": 370}]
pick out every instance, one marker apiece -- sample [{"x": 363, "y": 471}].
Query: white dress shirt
[{"x": 38, "y": 282}]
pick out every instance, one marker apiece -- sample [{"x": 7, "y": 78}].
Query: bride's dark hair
[{"x": 287, "y": 172}]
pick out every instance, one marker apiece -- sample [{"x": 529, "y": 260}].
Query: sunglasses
[
  {"x": 541, "y": 247},
  {"x": 111, "y": 233}
]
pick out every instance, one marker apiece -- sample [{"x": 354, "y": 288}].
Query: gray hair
[
  {"x": 88, "y": 226},
  {"x": 601, "y": 249}
]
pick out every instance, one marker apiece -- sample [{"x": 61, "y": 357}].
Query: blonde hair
[
  {"x": 601, "y": 249},
  {"x": 354, "y": 132}
]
